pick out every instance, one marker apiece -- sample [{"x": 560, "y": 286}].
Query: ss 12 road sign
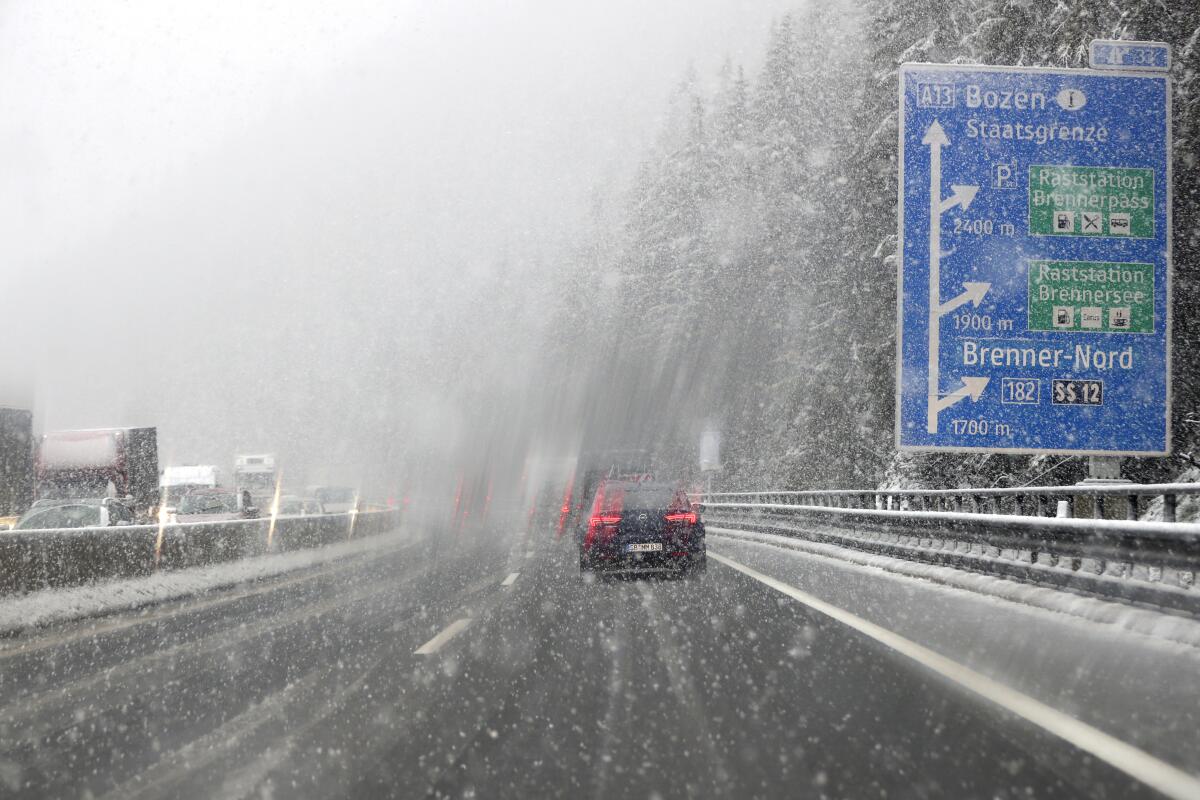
[{"x": 1034, "y": 302}]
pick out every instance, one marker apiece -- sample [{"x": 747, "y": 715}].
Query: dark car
[
  {"x": 637, "y": 526},
  {"x": 90, "y": 512},
  {"x": 213, "y": 505}
]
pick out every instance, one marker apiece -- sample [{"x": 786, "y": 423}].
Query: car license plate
[{"x": 644, "y": 547}]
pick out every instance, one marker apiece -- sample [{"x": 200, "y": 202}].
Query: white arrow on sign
[
  {"x": 961, "y": 195},
  {"x": 974, "y": 294},
  {"x": 971, "y": 387}
]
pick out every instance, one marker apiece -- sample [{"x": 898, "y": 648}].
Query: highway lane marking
[
  {"x": 511, "y": 579},
  {"x": 1138, "y": 764},
  {"x": 439, "y": 641}
]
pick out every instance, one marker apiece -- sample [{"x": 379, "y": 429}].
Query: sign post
[
  {"x": 1034, "y": 302},
  {"x": 710, "y": 455}
]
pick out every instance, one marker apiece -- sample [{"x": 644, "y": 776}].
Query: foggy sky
[{"x": 268, "y": 226}]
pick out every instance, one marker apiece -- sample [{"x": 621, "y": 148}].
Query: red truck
[{"x": 101, "y": 462}]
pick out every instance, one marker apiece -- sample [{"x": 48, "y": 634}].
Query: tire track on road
[
  {"x": 185, "y": 607},
  {"x": 686, "y": 694},
  {"x": 111, "y": 688}
]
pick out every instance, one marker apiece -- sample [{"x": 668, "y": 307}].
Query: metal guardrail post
[{"x": 1168, "y": 509}]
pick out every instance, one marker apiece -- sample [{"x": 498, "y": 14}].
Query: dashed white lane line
[
  {"x": 439, "y": 641},
  {"x": 511, "y": 579},
  {"x": 1136, "y": 763}
]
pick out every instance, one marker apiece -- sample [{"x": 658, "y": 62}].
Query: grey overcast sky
[{"x": 205, "y": 202}]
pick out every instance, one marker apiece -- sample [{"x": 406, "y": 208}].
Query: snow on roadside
[
  {"x": 21, "y": 612},
  {"x": 1158, "y": 625}
]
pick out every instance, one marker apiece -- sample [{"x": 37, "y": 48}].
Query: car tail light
[
  {"x": 680, "y": 526},
  {"x": 602, "y": 527},
  {"x": 606, "y": 515}
]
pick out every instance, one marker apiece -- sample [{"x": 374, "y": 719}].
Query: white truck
[
  {"x": 177, "y": 481},
  {"x": 255, "y": 473}
]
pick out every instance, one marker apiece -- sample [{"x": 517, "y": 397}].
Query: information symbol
[{"x": 1071, "y": 99}]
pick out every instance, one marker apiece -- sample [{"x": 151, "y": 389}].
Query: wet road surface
[{"x": 491, "y": 673}]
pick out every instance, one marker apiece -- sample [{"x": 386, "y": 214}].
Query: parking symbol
[
  {"x": 1002, "y": 176},
  {"x": 1118, "y": 224},
  {"x": 1064, "y": 221},
  {"x": 1092, "y": 220}
]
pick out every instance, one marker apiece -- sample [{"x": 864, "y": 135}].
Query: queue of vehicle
[{"x": 106, "y": 477}]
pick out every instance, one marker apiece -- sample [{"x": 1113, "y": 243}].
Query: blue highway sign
[{"x": 1034, "y": 301}]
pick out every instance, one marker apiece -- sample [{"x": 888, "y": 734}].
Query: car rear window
[
  {"x": 612, "y": 497},
  {"x": 649, "y": 496}
]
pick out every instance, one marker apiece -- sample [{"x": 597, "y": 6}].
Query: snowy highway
[
  {"x": 687, "y": 399},
  {"x": 427, "y": 670}
]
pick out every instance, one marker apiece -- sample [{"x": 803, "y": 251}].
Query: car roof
[
  {"x": 54, "y": 502},
  {"x": 625, "y": 483}
]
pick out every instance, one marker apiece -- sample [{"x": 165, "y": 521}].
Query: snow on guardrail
[
  {"x": 1097, "y": 500},
  {"x": 1156, "y": 563}
]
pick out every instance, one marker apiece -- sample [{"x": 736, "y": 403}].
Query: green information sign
[
  {"x": 1091, "y": 296},
  {"x": 1091, "y": 201}
]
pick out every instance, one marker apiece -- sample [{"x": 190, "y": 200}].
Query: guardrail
[
  {"x": 1102, "y": 500},
  {"x": 1154, "y": 563},
  {"x": 31, "y": 560}
]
